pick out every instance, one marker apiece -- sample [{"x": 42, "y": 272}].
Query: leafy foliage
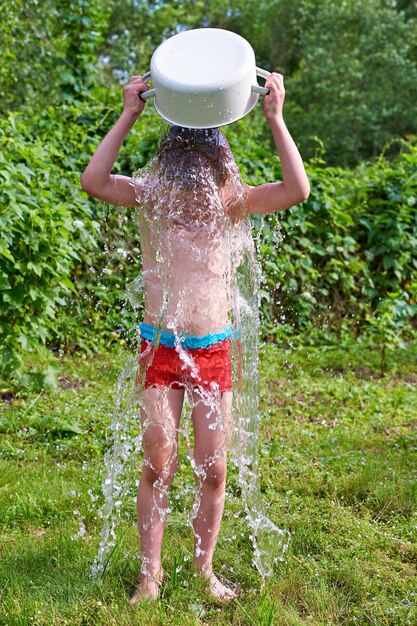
[
  {"x": 45, "y": 227},
  {"x": 49, "y": 51},
  {"x": 356, "y": 83},
  {"x": 342, "y": 262},
  {"x": 350, "y": 67},
  {"x": 349, "y": 248}
]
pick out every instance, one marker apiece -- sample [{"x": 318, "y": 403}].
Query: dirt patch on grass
[
  {"x": 277, "y": 384},
  {"x": 276, "y": 395},
  {"x": 337, "y": 371},
  {"x": 312, "y": 398},
  {"x": 407, "y": 551},
  {"x": 278, "y": 398},
  {"x": 366, "y": 373},
  {"x": 412, "y": 380},
  {"x": 66, "y": 383},
  {"x": 7, "y": 396},
  {"x": 400, "y": 379}
]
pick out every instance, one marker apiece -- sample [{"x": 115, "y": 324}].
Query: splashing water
[{"x": 199, "y": 277}]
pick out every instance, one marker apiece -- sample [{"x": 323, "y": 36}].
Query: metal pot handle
[
  {"x": 151, "y": 92},
  {"x": 263, "y": 91}
]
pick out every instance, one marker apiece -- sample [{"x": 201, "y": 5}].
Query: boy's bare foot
[
  {"x": 149, "y": 587},
  {"x": 220, "y": 591},
  {"x": 217, "y": 589}
]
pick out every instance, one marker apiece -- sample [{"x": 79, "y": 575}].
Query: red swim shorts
[{"x": 209, "y": 368}]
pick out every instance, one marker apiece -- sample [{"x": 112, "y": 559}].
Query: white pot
[{"x": 204, "y": 78}]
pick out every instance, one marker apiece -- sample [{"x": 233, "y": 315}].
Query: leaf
[
  {"x": 35, "y": 267},
  {"x": 68, "y": 427},
  {"x": 50, "y": 377},
  {"x": 4, "y": 282},
  {"x": 44, "y": 422},
  {"x": 7, "y": 254}
]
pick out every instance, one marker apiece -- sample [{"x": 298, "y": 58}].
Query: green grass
[{"x": 338, "y": 469}]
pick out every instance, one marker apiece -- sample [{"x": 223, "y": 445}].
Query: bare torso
[
  {"x": 187, "y": 281},
  {"x": 187, "y": 258}
]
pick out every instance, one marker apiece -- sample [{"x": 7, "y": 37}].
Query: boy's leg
[
  {"x": 212, "y": 434},
  {"x": 160, "y": 422}
]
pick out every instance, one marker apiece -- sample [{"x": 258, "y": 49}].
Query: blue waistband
[{"x": 166, "y": 338}]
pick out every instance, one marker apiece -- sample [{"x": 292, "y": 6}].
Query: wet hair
[{"x": 185, "y": 150}]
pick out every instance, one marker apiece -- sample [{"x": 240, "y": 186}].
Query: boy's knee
[
  {"x": 160, "y": 469},
  {"x": 160, "y": 452},
  {"x": 215, "y": 473}
]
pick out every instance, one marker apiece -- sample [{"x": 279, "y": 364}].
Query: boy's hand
[
  {"x": 273, "y": 103},
  {"x": 133, "y": 103}
]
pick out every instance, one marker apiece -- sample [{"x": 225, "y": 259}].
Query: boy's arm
[
  {"x": 294, "y": 187},
  {"x": 97, "y": 179}
]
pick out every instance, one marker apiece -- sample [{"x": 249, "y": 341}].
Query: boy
[{"x": 191, "y": 201}]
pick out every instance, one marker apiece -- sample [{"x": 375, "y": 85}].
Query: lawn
[{"x": 338, "y": 466}]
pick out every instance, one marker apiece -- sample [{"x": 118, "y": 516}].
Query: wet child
[{"x": 193, "y": 195}]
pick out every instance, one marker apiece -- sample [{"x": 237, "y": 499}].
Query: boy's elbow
[
  {"x": 304, "y": 192},
  {"x": 83, "y": 182},
  {"x": 86, "y": 183},
  {"x": 298, "y": 193}
]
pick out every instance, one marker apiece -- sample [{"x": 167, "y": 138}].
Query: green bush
[
  {"x": 56, "y": 243},
  {"x": 46, "y": 227},
  {"x": 342, "y": 262},
  {"x": 349, "y": 247}
]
